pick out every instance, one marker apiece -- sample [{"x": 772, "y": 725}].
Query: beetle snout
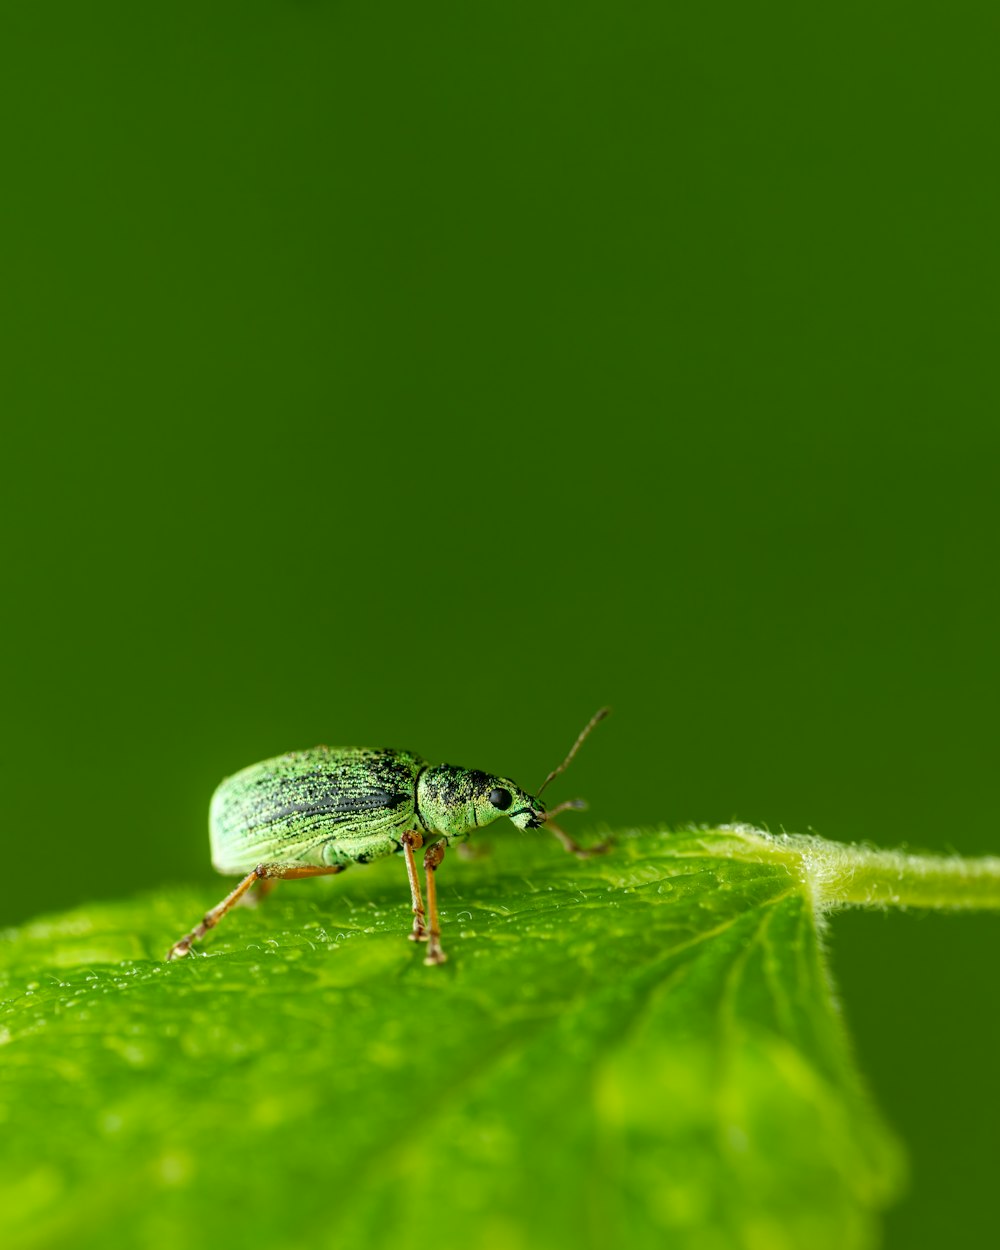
[
  {"x": 536, "y": 815},
  {"x": 530, "y": 814}
]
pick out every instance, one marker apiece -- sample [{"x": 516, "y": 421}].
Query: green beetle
[{"x": 314, "y": 812}]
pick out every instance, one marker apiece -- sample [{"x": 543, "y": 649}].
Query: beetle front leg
[
  {"x": 411, "y": 841},
  {"x": 574, "y": 848},
  {"x": 432, "y": 859}
]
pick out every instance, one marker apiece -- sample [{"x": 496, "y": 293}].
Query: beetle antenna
[{"x": 594, "y": 720}]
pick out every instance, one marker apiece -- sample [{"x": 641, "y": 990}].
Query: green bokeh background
[{"x": 428, "y": 375}]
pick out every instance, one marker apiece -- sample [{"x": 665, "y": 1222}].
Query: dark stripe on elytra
[{"x": 342, "y": 803}]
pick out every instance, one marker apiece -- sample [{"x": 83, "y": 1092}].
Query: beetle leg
[
  {"x": 470, "y": 852},
  {"x": 432, "y": 859},
  {"x": 212, "y": 918},
  {"x": 264, "y": 887},
  {"x": 261, "y": 873},
  {"x": 410, "y": 840},
  {"x": 574, "y": 848}
]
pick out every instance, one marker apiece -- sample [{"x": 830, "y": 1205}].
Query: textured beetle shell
[{"x": 317, "y": 808}]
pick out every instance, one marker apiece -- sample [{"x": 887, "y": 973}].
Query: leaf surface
[{"x": 637, "y": 1050}]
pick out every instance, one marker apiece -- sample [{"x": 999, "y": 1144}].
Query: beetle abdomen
[{"x": 287, "y": 810}]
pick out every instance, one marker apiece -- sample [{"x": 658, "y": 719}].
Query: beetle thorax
[{"x": 446, "y": 799}]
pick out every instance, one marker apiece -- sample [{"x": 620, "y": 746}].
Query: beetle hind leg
[
  {"x": 253, "y": 897},
  {"x": 212, "y": 918},
  {"x": 265, "y": 874}
]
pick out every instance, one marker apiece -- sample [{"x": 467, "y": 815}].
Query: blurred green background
[{"x": 428, "y": 375}]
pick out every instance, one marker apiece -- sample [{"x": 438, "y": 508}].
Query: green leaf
[{"x": 638, "y": 1050}]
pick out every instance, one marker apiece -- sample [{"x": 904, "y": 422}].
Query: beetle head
[
  {"x": 456, "y": 801},
  {"x": 501, "y": 797}
]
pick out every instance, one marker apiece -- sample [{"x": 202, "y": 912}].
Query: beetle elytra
[{"x": 315, "y": 812}]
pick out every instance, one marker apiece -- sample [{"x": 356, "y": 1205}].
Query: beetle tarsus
[
  {"x": 588, "y": 852},
  {"x": 574, "y": 848}
]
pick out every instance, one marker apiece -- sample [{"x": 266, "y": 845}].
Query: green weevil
[{"x": 311, "y": 813}]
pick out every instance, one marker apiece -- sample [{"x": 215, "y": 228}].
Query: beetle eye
[{"x": 500, "y": 799}]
